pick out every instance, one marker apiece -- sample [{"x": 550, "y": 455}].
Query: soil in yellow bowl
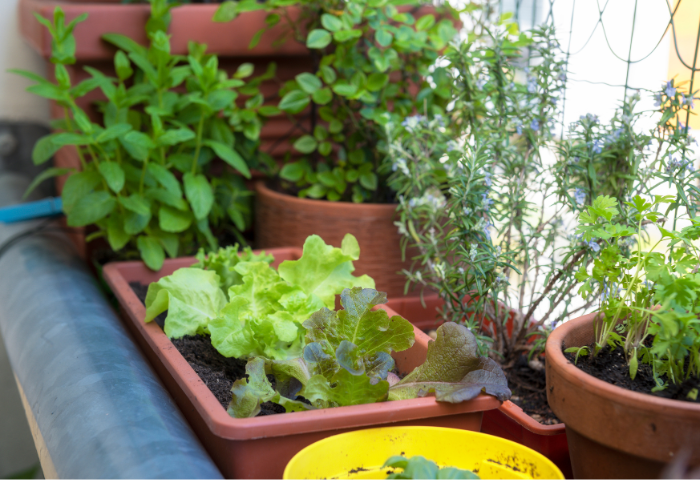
[{"x": 362, "y": 453}]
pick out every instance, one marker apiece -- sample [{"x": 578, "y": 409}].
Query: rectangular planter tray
[
  {"x": 509, "y": 421},
  {"x": 261, "y": 447}
]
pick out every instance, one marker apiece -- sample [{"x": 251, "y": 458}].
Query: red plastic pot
[
  {"x": 261, "y": 447},
  {"x": 509, "y": 421}
]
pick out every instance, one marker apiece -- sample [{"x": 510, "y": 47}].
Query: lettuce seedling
[
  {"x": 249, "y": 308},
  {"x": 347, "y": 359}
]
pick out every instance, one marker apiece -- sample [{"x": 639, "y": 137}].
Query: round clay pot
[
  {"x": 614, "y": 432},
  {"x": 285, "y": 220}
]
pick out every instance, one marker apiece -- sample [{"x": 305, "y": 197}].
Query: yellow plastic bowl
[{"x": 362, "y": 453}]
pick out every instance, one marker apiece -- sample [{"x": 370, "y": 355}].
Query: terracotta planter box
[
  {"x": 614, "y": 432},
  {"x": 282, "y": 219},
  {"x": 509, "y": 421},
  {"x": 261, "y": 447}
]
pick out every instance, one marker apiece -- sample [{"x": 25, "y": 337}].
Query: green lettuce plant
[
  {"x": 648, "y": 300},
  {"x": 249, "y": 308},
  {"x": 145, "y": 180},
  {"x": 421, "y": 467},
  {"x": 370, "y": 67},
  {"x": 347, "y": 361}
]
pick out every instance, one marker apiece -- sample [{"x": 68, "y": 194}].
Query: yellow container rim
[{"x": 361, "y": 454}]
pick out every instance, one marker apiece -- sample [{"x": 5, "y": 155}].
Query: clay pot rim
[
  {"x": 311, "y": 203},
  {"x": 578, "y": 378},
  {"x": 222, "y": 424}
]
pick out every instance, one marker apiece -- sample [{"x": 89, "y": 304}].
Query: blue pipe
[
  {"x": 98, "y": 409},
  {"x": 47, "y": 207}
]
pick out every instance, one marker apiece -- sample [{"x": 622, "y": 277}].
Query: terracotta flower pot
[
  {"x": 509, "y": 421},
  {"x": 282, "y": 219},
  {"x": 261, "y": 447},
  {"x": 614, "y": 432}
]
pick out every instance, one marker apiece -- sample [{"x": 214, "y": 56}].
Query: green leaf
[
  {"x": 318, "y": 38},
  {"x": 173, "y": 220},
  {"x": 136, "y": 203},
  {"x": 295, "y": 101},
  {"x": 269, "y": 111},
  {"x": 114, "y": 131},
  {"x": 331, "y": 22},
  {"x": 116, "y": 236},
  {"x": 230, "y": 156},
  {"x": 345, "y": 89},
  {"x": 199, "y": 193},
  {"x": 45, "y": 175},
  {"x": 192, "y": 298},
  {"x": 44, "y": 149},
  {"x": 123, "y": 66},
  {"x": 322, "y": 96},
  {"x": 345, "y": 389},
  {"x": 250, "y": 393},
  {"x": 292, "y": 172},
  {"x": 369, "y": 181},
  {"x": 165, "y": 177},
  {"x": 425, "y": 22},
  {"x": 91, "y": 208},
  {"x": 135, "y": 223},
  {"x": 325, "y": 270},
  {"x": 174, "y": 137},
  {"x": 453, "y": 370},
  {"x": 367, "y": 331},
  {"x": 376, "y": 81},
  {"x": 226, "y": 12},
  {"x": 383, "y": 37},
  {"x": 78, "y": 186},
  {"x": 308, "y": 82},
  {"x": 137, "y": 144},
  {"x": 151, "y": 251},
  {"x": 345, "y": 35},
  {"x": 306, "y": 144},
  {"x": 244, "y": 70},
  {"x": 113, "y": 175}
]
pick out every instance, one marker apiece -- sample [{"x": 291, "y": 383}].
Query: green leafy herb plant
[
  {"x": 648, "y": 300},
  {"x": 145, "y": 180},
  {"x": 371, "y": 61}
]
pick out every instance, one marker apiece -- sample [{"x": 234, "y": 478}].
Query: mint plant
[
  {"x": 371, "y": 61},
  {"x": 648, "y": 301},
  {"x": 145, "y": 180}
]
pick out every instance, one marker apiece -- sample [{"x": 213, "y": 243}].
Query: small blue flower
[
  {"x": 487, "y": 233},
  {"x": 535, "y": 125},
  {"x": 487, "y": 179},
  {"x": 598, "y": 146},
  {"x": 594, "y": 245},
  {"x": 580, "y": 196},
  {"x": 657, "y": 100},
  {"x": 518, "y": 126},
  {"x": 670, "y": 89},
  {"x": 531, "y": 85}
]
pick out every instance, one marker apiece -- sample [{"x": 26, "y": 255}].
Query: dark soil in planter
[
  {"x": 528, "y": 386},
  {"x": 611, "y": 366},
  {"x": 216, "y": 371}
]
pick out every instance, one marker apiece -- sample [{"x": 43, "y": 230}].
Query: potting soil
[
  {"x": 611, "y": 366},
  {"x": 529, "y": 391}
]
